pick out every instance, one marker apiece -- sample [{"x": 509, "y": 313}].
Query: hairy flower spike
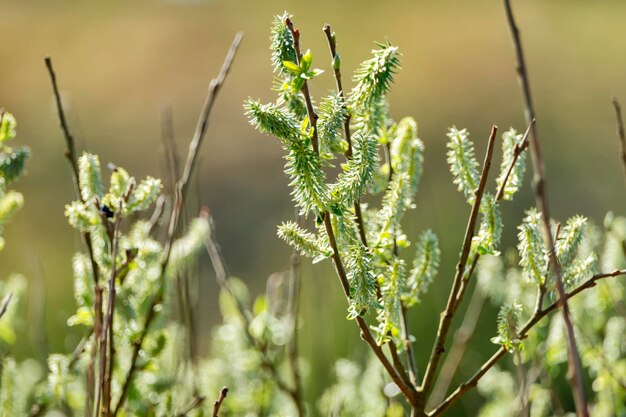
[
  {"x": 269, "y": 119},
  {"x": 514, "y": 182},
  {"x": 358, "y": 171},
  {"x": 81, "y": 216},
  {"x": 407, "y": 154},
  {"x": 185, "y": 249},
  {"x": 89, "y": 177},
  {"x": 462, "y": 161},
  {"x": 306, "y": 243},
  {"x": 374, "y": 77},
  {"x": 10, "y": 203},
  {"x": 490, "y": 231},
  {"x": 332, "y": 113},
  {"x": 508, "y": 324},
  {"x": 12, "y": 164},
  {"x": 144, "y": 195},
  {"x": 394, "y": 203},
  {"x": 391, "y": 287},
  {"x": 359, "y": 264},
  {"x": 569, "y": 239},
  {"x": 533, "y": 255},
  {"x": 7, "y": 127},
  {"x": 425, "y": 266},
  {"x": 281, "y": 43},
  {"x": 310, "y": 191}
]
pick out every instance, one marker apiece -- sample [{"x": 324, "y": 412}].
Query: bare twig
[
  {"x": 5, "y": 303},
  {"x": 453, "y": 302},
  {"x": 620, "y": 131},
  {"x": 197, "y": 402},
  {"x": 106, "y": 371},
  {"x": 194, "y": 147},
  {"x": 70, "y": 154},
  {"x": 537, "y": 316},
  {"x": 218, "y": 403},
  {"x": 292, "y": 347},
  {"x": 459, "y": 345},
  {"x": 540, "y": 187}
]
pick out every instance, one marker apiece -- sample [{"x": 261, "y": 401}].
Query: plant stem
[
  {"x": 70, "y": 154},
  {"x": 292, "y": 347},
  {"x": 194, "y": 147},
  {"x": 407, "y": 389},
  {"x": 523, "y": 333},
  {"x": 218, "y": 403},
  {"x": 453, "y": 302},
  {"x": 620, "y": 131},
  {"x": 574, "y": 367},
  {"x": 332, "y": 46}
]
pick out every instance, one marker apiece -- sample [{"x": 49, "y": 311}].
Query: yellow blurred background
[{"x": 119, "y": 62}]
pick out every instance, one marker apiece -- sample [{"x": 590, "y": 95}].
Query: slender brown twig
[
  {"x": 70, "y": 154},
  {"x": 5, "y": 303},
  {"x": 336, "y": 63},
  {"x": 453, "y": 302},
  {"x": 621, "y": 135},
  {"x": 537, "y": 316},
  {"x": 195, "y": 403},
  {"x": 218, "y": 403},
  {"x": 408, "y": 391},
  {"x": 574, "y": 367},
  {"x": 194, "y": 148}
]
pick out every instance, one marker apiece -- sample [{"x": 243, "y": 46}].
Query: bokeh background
[{"x": 119, "y": 63}]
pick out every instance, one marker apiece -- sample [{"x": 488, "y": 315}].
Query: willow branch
[
  {"x": 408, "y": 390},
  {"x": 620, "y": 131},
  {"x": 194, "y": 148},
  {"x": 573, "y": 358},
  {"x": 537, "y": 316},
  {"x": 70, "y": 155},
  {"x": 453, "y": 303}
]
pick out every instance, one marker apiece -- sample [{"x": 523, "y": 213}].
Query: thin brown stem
[
  {"x": 448, "y": 314},
  {"x": 218, "y": 403},
  {"x": 540, "y": 187},
  {"x": 334, "y": 56},
  {"x": 459, "y": 345},
  {"x": 292, "y": 347},
  {"x": 295, "y": 35},
  {"x": 105, "y": 374},
  {"x": 621, "y": 135},
  {"x": 194, "y": 148},
  {"x": 537, "y": 316},
  {"x": 195, "y": 403},
  {"x": 70, "y": 154}
]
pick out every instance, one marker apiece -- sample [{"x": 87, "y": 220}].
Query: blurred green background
[{"x": 119, "y": 62}]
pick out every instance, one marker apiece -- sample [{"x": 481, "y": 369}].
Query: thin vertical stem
[
  {"x": 620, "y": 131},
  {"x": 573, "y": 359}
]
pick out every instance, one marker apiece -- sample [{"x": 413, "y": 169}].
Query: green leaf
[
  {"x": 306, "y": 61},
  {"x": 292, "y": 67}
]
